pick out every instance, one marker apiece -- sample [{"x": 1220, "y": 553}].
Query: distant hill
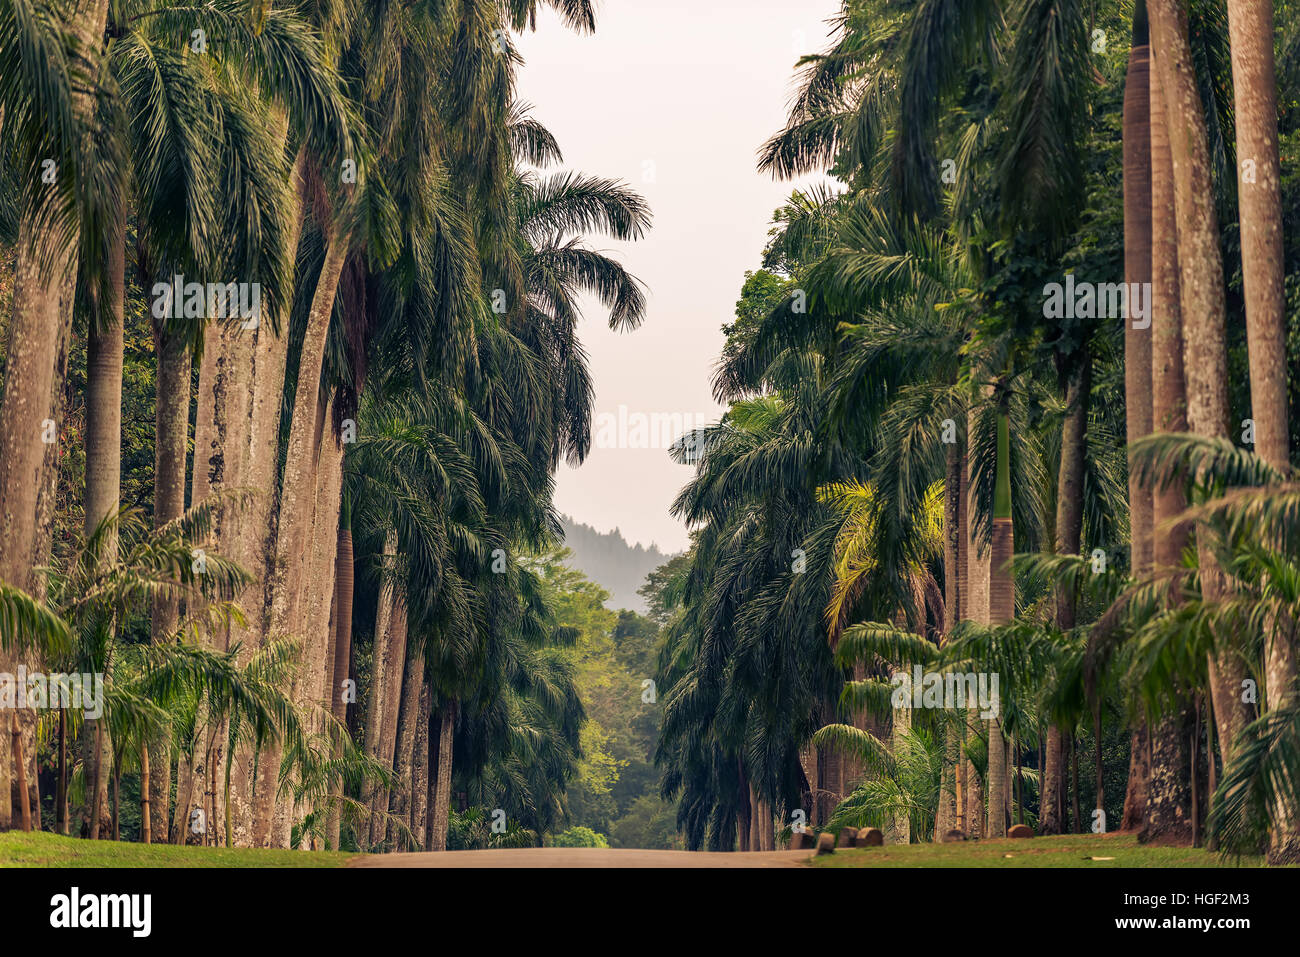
[{"x": 608, "y": 560}]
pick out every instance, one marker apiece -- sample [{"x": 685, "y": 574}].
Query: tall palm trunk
[
  {"x": 263, "y": 380},
  {"x": 744, "y": 810},
  {"x": 319, "y": 590},
  {"x": 171, "y": 441},
  {"x": 1203, "y": 308},
  {"x": 1137, "y": 269},
  {"x": 390, "y": 704},
  {"x": 344, "y": 579},
  {"x": 219, "y": 462},
  {"x": 380, "y": 666},
  {"x": 946, "y": 818},
  {"x": 297, "y": 500},
  {"x": 1250, "y": 24},
  {"x": 46, "y": 266},
  {"x": 1069, "y": 534},
  {"x": 1166, "y": 815},
  {"x": 440, "y": 778},
  {"x": 299, "y": 486},
  {"x": 1139, "y": 109},
  {"x": 419, "y": 815},
  {"x": 975, "y": 606},
  {"x": 1002, "y": 608},
  {"x": 44, "y": 273},
  {"x": 104, "y": 355},
  {"x": 404, "y": 762}
]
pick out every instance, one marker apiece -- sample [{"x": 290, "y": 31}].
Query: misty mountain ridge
[{"x": 608, "y": 559}]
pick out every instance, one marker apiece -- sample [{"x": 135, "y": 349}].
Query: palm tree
[
  {"x": 60, "y": 63},
  {"x": 1250, "y": 23},
  {"x": 1141, "y": 113},
  {"x": 1202, "y": 303}
]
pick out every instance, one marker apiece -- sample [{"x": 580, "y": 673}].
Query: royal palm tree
[
  {"x": 1250, "y": 23},
  {"x": 1203, "y": 309}
]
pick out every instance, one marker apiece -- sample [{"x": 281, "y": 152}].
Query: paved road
[{"x": 585, "y": 857}]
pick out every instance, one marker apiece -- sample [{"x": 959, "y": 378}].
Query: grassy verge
[
  {"x": 1075, "y": 850},
  {"x": 40, "y": 849}
]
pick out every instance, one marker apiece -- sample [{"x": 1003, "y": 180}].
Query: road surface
[{"x": 585, "y": 857}]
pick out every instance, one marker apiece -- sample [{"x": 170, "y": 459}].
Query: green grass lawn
[
  {"x": 40, "y": 849},
  {"x": 1075, "y": 850}
]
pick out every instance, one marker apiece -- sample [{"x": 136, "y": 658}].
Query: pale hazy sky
[{"x": 675, "y": 98}]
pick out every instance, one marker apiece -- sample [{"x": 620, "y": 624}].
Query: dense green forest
[
  {"x": 1000, "y": 527},
  {"x": 1014, "y": 402}
]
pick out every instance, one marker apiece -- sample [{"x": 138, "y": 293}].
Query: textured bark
[
  {"x": 104, "y": 354},
  {"x": 1001, "y": 609},
  {"x": 390, "y": 703},
  {"x": 219, "y": 466},
  {"x": 440, "y": 770},
  {"x": 1139, "y": 779},
  {"x": 324, "y": 553},
  {"x": 146, "y": 820},
  {"x": 1169, "y": 406},
  {"x": 20, "y": 773},
  {"x": 1051, "y": 816},
  {"x": 975, "y": 607},
  {"x": 418, "y": 818},
  {"x": 1168, "y": 811},
  {"x": 257, "y": 530},
  {"x": 1250, "y": 25},
  {"x": 44, "y": 275},
  {"x": 46, "y": 266},
  {"x": 997, "y": 763},
  {"x": 1203, "y": 309},
  {"x": 344, "y": 579},
  {"x": 952, "y": 535},
  {"x": 6, "y": 762},
  {"x": 379, "y": 669},
  {"x": 946, "y": 816},
  {"x": 1069, "y": 533},
  {"x": 404, "y": 762},
  {"x": 1137, "y": 269},
  {"x": 744, "y": 810},
  {"x": 830, "y": 788},
  {"x": 298, "y": 490},
  {"x": 341, "y": 643},
  {"x": 899, "y": 829},
  {"x": 171, "y": 440},
  {"x": 297, "y": 498}
]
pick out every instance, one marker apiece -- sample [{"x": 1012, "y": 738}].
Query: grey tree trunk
[
  {"x": 1203, "y": 308},
  {"x": 171, "y": 440},
  {"x": 344, "y": 579},
  {"x": 440, "y": 779},
  {"x": 418, "y": 821},
  {"x": 1250, "y": 25},
  {"x": 297, "y": 499},
  {"x": 409, "y": 718},
  {"x": 104, "y": 356},
  {"x": 390, "y": 705}
]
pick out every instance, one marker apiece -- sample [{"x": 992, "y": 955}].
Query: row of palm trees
[
  {"x": 921, "y": 465},
  {"x": 381, "y": 435}
]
